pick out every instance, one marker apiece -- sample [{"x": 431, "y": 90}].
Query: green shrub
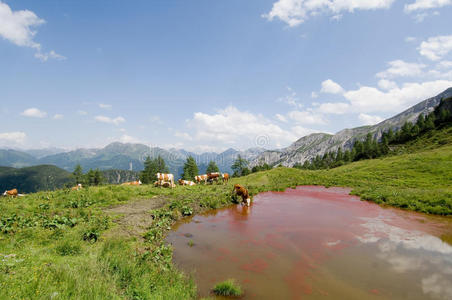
[{"x": 67, "y": 248}]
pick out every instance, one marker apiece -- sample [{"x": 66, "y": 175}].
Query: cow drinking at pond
[
  {"x": 11, "y": 193},
  {"x": 241, "y": 191},
  {"x": 164, "y": 178}
]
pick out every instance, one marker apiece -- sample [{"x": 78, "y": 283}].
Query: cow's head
[{"x": 139, "y": 182}]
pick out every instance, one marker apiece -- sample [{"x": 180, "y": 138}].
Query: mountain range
[
  {"x": 308, "y": 147},
  {"x": 121, "y": 156}
]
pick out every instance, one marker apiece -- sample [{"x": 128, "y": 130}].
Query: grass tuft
[{"x": 228, "y": 288}]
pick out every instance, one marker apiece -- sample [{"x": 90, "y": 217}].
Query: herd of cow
[{"x": 167, "y": 180}]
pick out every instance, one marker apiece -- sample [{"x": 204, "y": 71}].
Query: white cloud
[
  {"x": 369, "y": 120},
  {"x": 426, "y": 4},
  {"x": 331, "y": 87},
  {"x": 58, "y": 116},
  {"x": 183, "y": 135},
  {"x": 307, "y": 117},
  {"x": 445, "y": 64},
  {"x": 51, "y": 54},
  {"x": 436, "y": 47},
  {"x": 82, "y": 112},
  {"x": 295, "y": 12},
  {"x": 34, "y": 112},
  {"x": 410, "y": 39},
  {"x": 314, "y": 95},
  {"x": 19, "y": 27},
  {"x": 231, "y": 127},
  {"x": 281, "y": 118},
  {"x": 337, "y": 108},
  {"x": 129, "y": 139},
  {"x": 386, "y": 85},
  {"x": 291, "y": 99},
  {"x": 370, "y": 99},
  {"x": 400, "y": 68},
  {"x": 12, "y": 138},
  {"x": 105, "y": 106},
  {"x": 302, "y": 131},
  {"x": 108, "y": 120}
]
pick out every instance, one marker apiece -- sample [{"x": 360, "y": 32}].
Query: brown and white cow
[
  {"x": 241, "y": 191},
  {"x": 138, "y": 182},
  {"x": 200, "y": 178},
  {"x": 162, "y": 177},
  {"x": 186, "y": 182},
  {"x": 11, "y": 193},
  {"x": 225, "y": 177},
  {"x": 77, "y": 187},
  {"x": 211, "y": 177}
]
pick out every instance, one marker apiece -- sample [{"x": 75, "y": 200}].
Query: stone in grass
[{"x": 227, "y": 288}]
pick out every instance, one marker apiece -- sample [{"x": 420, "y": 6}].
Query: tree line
[
  {"x": 91, "y": 178},
  {"x": 371, "y": 147}
]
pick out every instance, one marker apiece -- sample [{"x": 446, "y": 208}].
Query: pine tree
[
  {"x": 212, "y": 167},
  {"x": 78, "y": 174},
  {"x": 421, "y": 122},
  {"x": 190, "y": 169},
  {"x": 98, "y": 177},
  {"x": 238, "y": 166}
]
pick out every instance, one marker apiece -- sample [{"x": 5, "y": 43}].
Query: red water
[{"x": 313, "y": 242}]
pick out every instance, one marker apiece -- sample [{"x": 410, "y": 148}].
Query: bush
[{"x": 227, "y": 288}]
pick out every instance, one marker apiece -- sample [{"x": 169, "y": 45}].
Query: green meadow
[{"x": 107, "y": 242}]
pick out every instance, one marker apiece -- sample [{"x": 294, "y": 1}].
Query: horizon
[{"x": 206, "y": 77}]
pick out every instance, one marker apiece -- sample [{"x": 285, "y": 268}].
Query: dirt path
[{"x": 134, "y": 218}]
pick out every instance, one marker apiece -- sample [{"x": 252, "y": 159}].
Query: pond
[{"x": 315, "y": 242}]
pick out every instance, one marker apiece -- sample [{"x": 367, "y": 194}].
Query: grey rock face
[{"x": 308, "y": 147}]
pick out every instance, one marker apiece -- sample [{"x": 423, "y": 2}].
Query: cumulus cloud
[
  {"x": 108, "y": 120},
  {"x": 295, "y": 12},
  {"x": 331, "y": 87},
  {"x": 426, "y": 4},
  {"x": 19, "y": 27},
  {"x": 307, "y": 117},
  {"x": 281, "y": 118},
  {"x": 369, "y": 120},
  {"x": 368, "y": 99},
  {"x": 386, "y": 85},
  {"x": 58, "y": 116},
  {"x": 336, "y": 108},
  {"x": 34, "y": 112},
  {"x": 231, "y": 127},
  {"x": 400, "y": 68},
  {"x": 436, "y": 47},
  {"x": 12, "y": 138}
]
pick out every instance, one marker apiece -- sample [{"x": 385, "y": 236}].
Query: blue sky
[{"x": 209, "y": 75}]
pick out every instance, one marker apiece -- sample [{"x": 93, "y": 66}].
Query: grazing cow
[
  {"x": 225, "y": 177},
  {"x": 211, "y": 177},
  {"x": 162, "y": 177},
  {"x": 77, "y": 187},
  {"x": 132, "y": 183},
  {"x": 241, "y": 191},
  {"x": 200, "y": 178},
  {"x": 12, "y": 193},
  {"x": 186, "y": 182}
]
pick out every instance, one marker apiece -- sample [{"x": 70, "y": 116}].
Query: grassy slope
[{"x": 53, "y": 234}]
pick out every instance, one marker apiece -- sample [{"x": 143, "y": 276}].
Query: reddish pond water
[{"x": 314, "y": 242}]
